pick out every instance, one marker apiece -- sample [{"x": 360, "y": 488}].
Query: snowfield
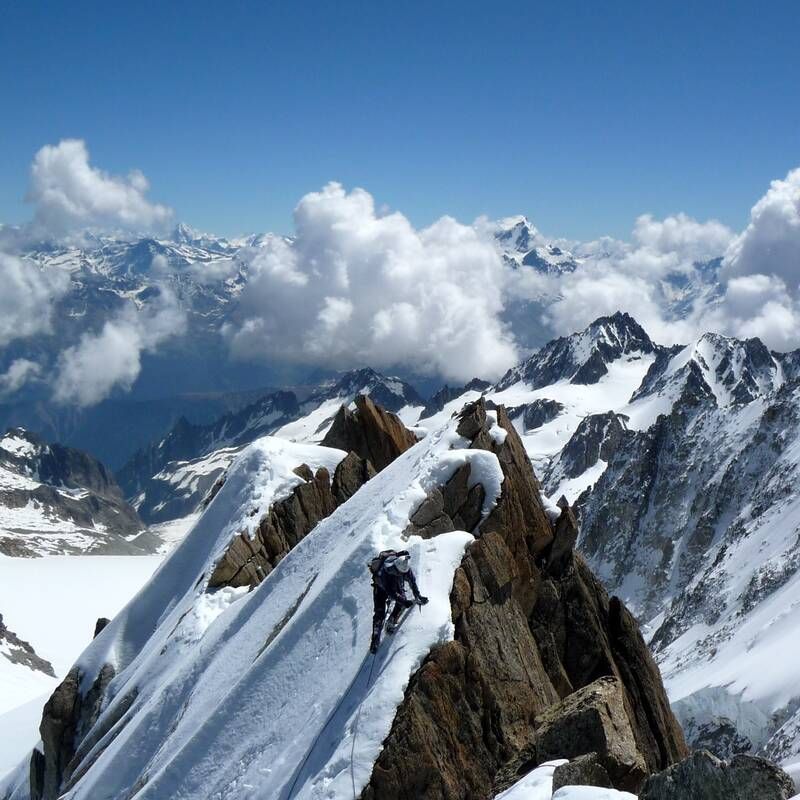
[{"x": 53, "y": 603}]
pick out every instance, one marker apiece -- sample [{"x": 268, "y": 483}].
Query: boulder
[
  {"x": 586, "y": 770},
  {"x": 703, "y": 775},
  {"x": 454, "y": 506},
  {"x": 593, "y": 719},
  {"x": 371, "y": 432}
]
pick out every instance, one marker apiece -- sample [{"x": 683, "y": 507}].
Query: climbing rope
[
  {"x": 355, "y": 730},
  {"x": 333, "y": 713}
]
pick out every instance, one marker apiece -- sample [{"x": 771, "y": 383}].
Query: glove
[{"x": 422, "y": 600}]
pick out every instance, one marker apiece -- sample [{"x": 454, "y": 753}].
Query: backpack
[{"x": 376, "y": 564}]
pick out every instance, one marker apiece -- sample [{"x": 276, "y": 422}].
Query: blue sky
[{"x": 582, "y": 115}]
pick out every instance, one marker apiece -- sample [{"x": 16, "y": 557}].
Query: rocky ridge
[
  {"x": 521, "y": 599},
  {"x": 530, "y": 631}
]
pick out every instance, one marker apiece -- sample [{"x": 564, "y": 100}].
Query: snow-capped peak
[
  {"x": 390, "y": 392},
  {"x": 522, "y": 245},
  {"x": 717, "y": 367},
  {"x": 582, "y": 357}
]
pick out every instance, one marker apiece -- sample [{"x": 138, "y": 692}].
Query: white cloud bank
[
  {"x": 357, "y": 287},
  {"x": 19, "y": 372},
  {"x": 760, "y": 273},
  {"x": 111, "y": 358},
  {"x": 71, "y": 195},
  {"x": 27, "y": 295},
  {"x": 770, "y": 244}
]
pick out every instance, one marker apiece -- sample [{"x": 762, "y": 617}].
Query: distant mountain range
[{"x": 192, "y": 374}]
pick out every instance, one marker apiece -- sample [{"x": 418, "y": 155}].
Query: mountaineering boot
[{"x": 376, "y": 638}]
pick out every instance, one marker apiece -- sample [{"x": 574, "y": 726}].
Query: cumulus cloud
[
  {"x": 358, "y": 287},
  {"x": 682, "y": 237},
  {"x": 19, "y": 372},
  {"x": 111, "y": 358},
  {"x": 27, "y": 296},
  {"x": 72, "y": 195},
  {"x": 770, "y": 244},
  {"x": 648, "y": 277}
]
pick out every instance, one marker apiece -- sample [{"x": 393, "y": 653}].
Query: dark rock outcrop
[
  {"x": 597, "y": 437},
  {"x": 538, "y": 413},
  {"x": 350, "y": 475},
  {"x": 703, "y": 775},
  {"x": 18, "y": 651},
  {"x": 585, "y": 770},
  {"x": 249, "y": 560},
  {"x": 66, "y": 718},
  {"x": 523, "y": 642},
  {"x": 593, "y": 719},
  {"x": 371, "y": 432},
  {"x": 449, "y": 393}
]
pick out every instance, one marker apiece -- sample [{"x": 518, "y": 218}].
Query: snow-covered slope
[
  {"x": 195, "y": 667},
  {"x": 53, "y": 603},
  {"x": 55, "y": 499}
]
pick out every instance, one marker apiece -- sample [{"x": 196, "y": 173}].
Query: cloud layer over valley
[{"x": 353, "y": 285}]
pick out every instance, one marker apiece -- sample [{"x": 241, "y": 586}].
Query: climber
[{"x": 391, "y": 570}]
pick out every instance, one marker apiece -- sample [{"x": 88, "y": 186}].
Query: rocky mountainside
[
  {"x": 54, "y": 499},
  {"x": 210, "y": 681},
  {"x": 683, "y": 462},
  {"x": 171, "y": 477}
]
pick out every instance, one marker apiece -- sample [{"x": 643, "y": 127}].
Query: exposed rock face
[
  {"x": 66, "y": 717},
  {"x": 456, "y": 506},
  {"x": 702, "y": 775},
  {"x": 448, "y": 393},
  {"x": 100, "y": 625},
  {"x": 586, "y": 770},
  {"x": 593, "y": 720},
  {"x": 371, "y": 432},
  {"x": 523, "y": 642},
  {"x": 597, "y": 437},
  {"x": 18, "y": 651},
  {"x": 539, "y": 413},
  {"x": 351, "y": 474},
  {"x": 249, "y": 560}
]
